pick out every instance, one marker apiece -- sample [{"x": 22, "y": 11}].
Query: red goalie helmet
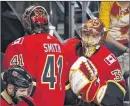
[{"x": 35, "y": 20}]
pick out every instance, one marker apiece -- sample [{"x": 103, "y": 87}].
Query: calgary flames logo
[
  {"x": 93, "y": 23},
  {"x": 39, "y": 16}
]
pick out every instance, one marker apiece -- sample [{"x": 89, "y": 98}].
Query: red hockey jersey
[
  {"x": 6, "y": 100},
  {"x": 43, "y": 57},
  {"x": 106, "y": 64},
  {"x": 5, "y": 103}
]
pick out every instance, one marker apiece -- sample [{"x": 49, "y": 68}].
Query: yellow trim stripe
[
  {"x": 67, "y": 86},
  {"x": 103, "y": 95},
  {"x": 34, "y": 83},
  {"x": 121, "y": 88},
  {"x": 89, "y": 90},
  {"x": 6, "y": 97}
]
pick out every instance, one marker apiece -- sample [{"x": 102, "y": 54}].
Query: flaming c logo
[{"x": 39, "y": 16}]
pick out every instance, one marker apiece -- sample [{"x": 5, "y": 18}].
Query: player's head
[
  {"x": 18, "y": 82},
  {"x": 35, "y": 20},
  {"x": 93, "y": 34}
]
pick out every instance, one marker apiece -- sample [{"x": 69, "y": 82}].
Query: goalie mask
[
  {"x": 93, "y": 34},
  {"x": 35, "y": 20}
]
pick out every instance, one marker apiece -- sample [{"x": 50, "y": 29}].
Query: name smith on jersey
[{"x": 52, "y": 47}]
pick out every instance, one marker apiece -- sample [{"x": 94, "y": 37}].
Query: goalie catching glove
[{"x": 84, "y": 79}]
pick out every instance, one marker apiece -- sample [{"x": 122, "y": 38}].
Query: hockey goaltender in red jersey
[
  {"x": 42, "y": 55},
  {"x": 95, "y": 74}
]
